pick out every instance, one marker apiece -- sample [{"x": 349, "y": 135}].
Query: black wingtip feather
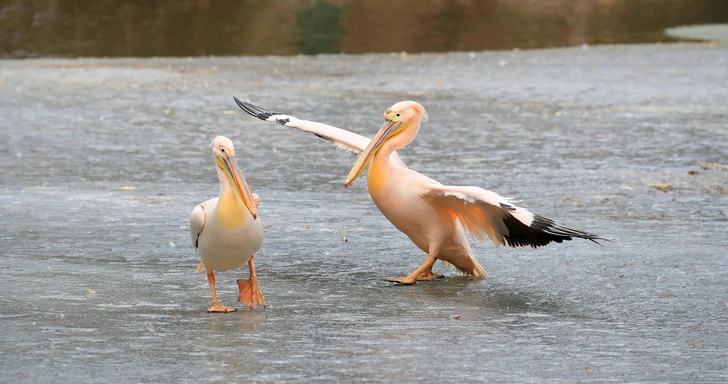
[
  {"x": 542, "y": 231},
  {"x": 254, "y": 110}
]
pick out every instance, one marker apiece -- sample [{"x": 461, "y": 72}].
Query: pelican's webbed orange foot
[
  {"x": 424, "y": 272},
  {"x": 408, "y": 280},
  {"x": 216, "y": 307},
  {"x": 250, "y": 293}
]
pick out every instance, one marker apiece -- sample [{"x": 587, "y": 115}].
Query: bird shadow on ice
[
  {"x": 243, "y": 320},
  {"x": 476, "y": 293}
]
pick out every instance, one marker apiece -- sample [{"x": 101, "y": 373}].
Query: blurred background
[{"x": 146, "y": 28}]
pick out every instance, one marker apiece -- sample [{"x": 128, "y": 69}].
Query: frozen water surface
[{"x": 103, "y": 160}]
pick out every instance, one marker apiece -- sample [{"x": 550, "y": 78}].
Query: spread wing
[
  {"x": 485, "y": 213},
  {"x": 342, "y": 138}
]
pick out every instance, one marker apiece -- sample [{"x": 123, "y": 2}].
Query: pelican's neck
[
  {"x": 230, "y": 210},
  {"x": 378, "y": 174},
  {"x": 397, "y": 141}
]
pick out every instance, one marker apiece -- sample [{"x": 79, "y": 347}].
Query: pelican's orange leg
[
  {"x": 425, "y": 271},
  {"x": 429, "y": 276},
  {"x": 250, "y": 294},
  {"x": 216, "y": 306}
]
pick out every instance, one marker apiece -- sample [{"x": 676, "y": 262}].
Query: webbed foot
[
  {"x": 250, "y": 294},
  {"x": 408, "y": 280},
  {"x": 219, "y": 308}
]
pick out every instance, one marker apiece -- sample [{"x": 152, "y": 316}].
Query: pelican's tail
[{"x": 201, "y": 268}]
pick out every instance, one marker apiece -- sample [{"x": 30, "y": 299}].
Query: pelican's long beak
[
  {"x": 389, "y": 129},
  {"x": 230, "y": 166}
]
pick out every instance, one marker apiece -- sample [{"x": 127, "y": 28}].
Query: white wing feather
[
  {"x": 342, "y": 138},
  {"x": 197, "y": 222},
  {"x": 484, "y": 213},
  {"x": 480, "y": 211}
]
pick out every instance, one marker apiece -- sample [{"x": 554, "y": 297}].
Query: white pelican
[
  {"x": 226, "y": 230},
  {"x": 434, "y": 216}
]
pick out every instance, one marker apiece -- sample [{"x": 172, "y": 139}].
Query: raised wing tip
[
  {"x": 543, "y": 231},
  {"x": 254, "y": 110}
]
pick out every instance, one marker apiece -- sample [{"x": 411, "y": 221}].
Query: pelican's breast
[{"x": 231, "y": 235}]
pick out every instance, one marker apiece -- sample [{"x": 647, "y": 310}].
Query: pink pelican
[
  {"x": 434, "y": 216},
  {"x": 226, "y": 230}
]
